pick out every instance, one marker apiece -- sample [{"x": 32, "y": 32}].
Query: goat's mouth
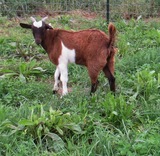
[{"x": 38, "y": 41}]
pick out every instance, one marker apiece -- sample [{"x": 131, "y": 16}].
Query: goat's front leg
[
  {"x": 56, "y": 80},
  {"x": 63, "y": 77}
]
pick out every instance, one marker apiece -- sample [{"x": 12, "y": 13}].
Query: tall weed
[{"x": 117, "y": 109}]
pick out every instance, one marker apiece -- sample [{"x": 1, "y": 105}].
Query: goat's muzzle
[{"x": 38, "y": 41}]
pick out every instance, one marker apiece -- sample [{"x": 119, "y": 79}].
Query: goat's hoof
[{"x": 54, "y": 91}]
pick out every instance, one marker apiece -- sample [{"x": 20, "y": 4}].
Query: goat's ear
[
  {"x": 27, "y": 26},
  {"x": 48, "y": 26}
]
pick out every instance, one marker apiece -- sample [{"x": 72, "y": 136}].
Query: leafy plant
[
  {"x": 117, "y": 109},
  {"x": 79, "y": 124},
  {"x": 45, "y": 125},
  {"x": 25, "y": 69},
  {"x": 28, "y": 51}
]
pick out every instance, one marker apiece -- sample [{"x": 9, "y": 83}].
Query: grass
[{"x": 35, "y": 122}]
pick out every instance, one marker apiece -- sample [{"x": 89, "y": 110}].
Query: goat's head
[{"x": 38, "y": 28}]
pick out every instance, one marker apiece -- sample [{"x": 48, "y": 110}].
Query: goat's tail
[{"x": 112, "y": 34}]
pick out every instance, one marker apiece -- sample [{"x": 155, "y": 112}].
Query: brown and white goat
[{"x": 91, "y": 48}]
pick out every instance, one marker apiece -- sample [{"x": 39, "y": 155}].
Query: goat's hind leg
[
  {"x": 94, "y": 79},
  {"x": 110, "y": 77},
  {"x": 57, "y": 80},
  {"x": 94, "y": 87}
]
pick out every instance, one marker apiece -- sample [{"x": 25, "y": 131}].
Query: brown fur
[
  {"x": 94, "y": 49},
  {"x": 89, "y": 44}
]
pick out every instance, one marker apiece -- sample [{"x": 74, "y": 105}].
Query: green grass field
[{"x": 35, "y": 122}]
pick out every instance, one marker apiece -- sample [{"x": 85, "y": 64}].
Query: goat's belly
[{"x": 81, "y": 62}]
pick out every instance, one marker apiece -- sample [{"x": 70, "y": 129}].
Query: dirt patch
[
  {"x": 86, "y": 14},
  {"x": 60, "y": 90},
  {"x": 83, "y": 13},
  {"x": 151, "y": 19}
]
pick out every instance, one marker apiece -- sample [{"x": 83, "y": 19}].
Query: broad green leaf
[
  {"x": 54, "y": 137},
  {"x": 22, "y": 78},
  {"x": 59, "y": 130},
  {"x": 74, "y": 127},
  {"x": 115, "y": 113},
  {"x": 26, "y": 122},
  {"x": 58, "y": 144},
  {"x": 8, "y": 75},
  {"x": 40, "y": 69}
]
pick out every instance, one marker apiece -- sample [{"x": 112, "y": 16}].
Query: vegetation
[
  {"x": 35, "y": 122},
  {"x": 118, "y": 8}
]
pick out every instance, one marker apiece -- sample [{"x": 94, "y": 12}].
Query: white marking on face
[{"x": 37, "y": 24}]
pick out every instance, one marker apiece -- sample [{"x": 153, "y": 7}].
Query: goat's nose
[{"x": 38, "y": 41}]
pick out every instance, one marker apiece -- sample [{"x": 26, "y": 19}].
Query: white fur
[
  {"x": 33, "y": 19},
  {"x": 67, "y": 56},
  {"x": 43, "y": 19},
  {"x": 63, "y": 77},
  {"x": 56, "y": 75},
  {"x": 37, "y": 24}
]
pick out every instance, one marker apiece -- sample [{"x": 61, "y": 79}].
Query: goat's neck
[{"x": 47, "y": 41}]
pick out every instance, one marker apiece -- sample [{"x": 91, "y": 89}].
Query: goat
[{"x": 91, "y": 48}]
